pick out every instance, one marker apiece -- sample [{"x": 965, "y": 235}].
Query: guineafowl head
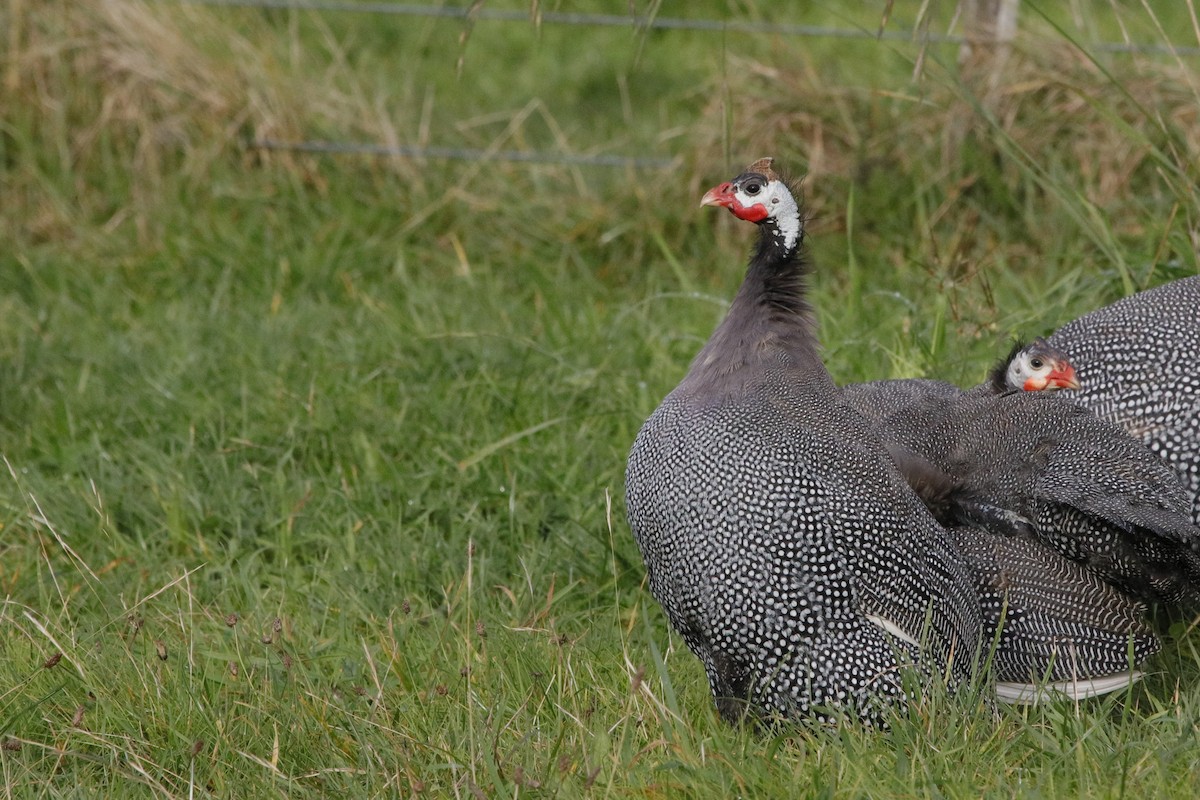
[
  {"x": 759, "y": 195},
  {"x": 1038, "y": 367}
]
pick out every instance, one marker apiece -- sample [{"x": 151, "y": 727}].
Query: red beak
[
  {"x": 1062, "y": 377},
  {"x": 719, "y": 196}
]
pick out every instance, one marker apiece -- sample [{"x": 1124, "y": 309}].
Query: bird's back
[
  {"x": 879, "y": 400},
  {"x": 1138, "y": 361},
  {"x": 1089, "y": 490}
]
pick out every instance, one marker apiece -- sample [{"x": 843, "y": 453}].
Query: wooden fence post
[{"x": 989, "y": 27}]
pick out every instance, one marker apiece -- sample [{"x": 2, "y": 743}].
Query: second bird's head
[{"x": 1039, "y": 367}]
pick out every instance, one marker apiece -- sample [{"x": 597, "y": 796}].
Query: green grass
[{"x": 313, "y": 466}]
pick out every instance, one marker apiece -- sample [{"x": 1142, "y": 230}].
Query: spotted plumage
[
  {"x": 1041, "y": 468},
  {"x": 1032, "y": 367},
  {"x": 1139, "y": 364},
  {"x": 1027, "y": 367},
  {"x": 1080, "y": 485},
  {"x": 792, "y": 556}
]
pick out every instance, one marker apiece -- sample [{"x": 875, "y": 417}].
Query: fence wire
[
  {"x": 464, "y": 154},
  {"x": 471, "y": 14},
  {"x": 591, "y": 20},
  {"x": 657, "y": 23}
]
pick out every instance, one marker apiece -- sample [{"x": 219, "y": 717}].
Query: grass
[{"x": 312, "y": 466}]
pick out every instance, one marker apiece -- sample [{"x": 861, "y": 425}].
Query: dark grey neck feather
[{"x": 769, "y": 321}]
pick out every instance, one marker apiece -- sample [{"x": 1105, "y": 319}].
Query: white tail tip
[
  {"x": 892, "y": 628},
  {"x": 1028, "y": 693}
]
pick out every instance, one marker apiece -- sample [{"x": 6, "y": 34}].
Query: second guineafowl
[
  {"x": 1030, "y": 464},
  {"x": 1032, "y": 367},
  {"x": 1043, "y": 467}
]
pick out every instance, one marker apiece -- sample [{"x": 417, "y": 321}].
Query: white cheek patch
[
  {"x": 777, "y": 203},
  {"x": 787, "y": 215},
  {"x": 1017, "y": 372}
]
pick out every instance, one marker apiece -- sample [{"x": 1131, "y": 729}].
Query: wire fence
[
  {"x": 473, "y": 13},
  {"x": 464, "y": 154},
  {"x": 468, "y": 14},
  {"x": 476, "y": 12}
]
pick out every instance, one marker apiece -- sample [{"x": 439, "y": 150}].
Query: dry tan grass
[
  {"x": 168, "y": 88},
  {"x": 1049, "y": 94},
  {"x": 1060, "y": 158}
]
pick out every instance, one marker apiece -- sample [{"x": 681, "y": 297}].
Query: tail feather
[{"x": 1030, "y": 693}]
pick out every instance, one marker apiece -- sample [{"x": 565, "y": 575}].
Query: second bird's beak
[{"x": 1062, "y": 378}]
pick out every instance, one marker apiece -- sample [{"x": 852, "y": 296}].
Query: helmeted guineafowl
[
  {"x": 1032, "y": 464},
  {"x": 1028, "y": 367},
  {"x": 791, "y": 555},
  {"x": 1032, "y": 367},
  {"x": 1139, "y": 363}
]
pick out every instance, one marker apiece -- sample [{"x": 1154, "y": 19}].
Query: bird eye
[
  {"x": 754, "y": 187},
  {"x": 1036, "y": 363}
]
